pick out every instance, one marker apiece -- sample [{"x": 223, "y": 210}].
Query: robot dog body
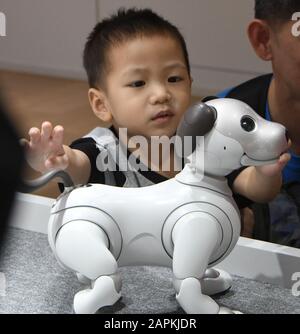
[
  {"x": 144, "y": 238},
  {"x": 189, "y": 222}
]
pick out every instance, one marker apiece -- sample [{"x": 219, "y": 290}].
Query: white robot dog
[{"x": 189, "y": 223}]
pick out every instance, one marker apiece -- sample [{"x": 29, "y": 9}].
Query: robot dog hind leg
[
  {"x": 83, "y": 247},
  {"x": 196, "y": 236}
]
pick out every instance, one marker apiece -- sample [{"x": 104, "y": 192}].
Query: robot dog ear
[{"x": 197, "y": 121}]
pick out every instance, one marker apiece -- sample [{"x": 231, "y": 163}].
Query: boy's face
[
  {"x": 286, "y": 58},
  {"x": 148, "y": 87}
]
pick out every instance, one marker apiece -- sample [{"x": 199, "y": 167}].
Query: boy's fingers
[
  {"x": 284, "y": 158},
  {"x": 277, "y": 167},
  {"x": 58, "y": 130},
  {"x": 58, "y": 136},
  {"x": 281, "y": 162},
  {"x": 24, "y": 143},
  {"x": 46, "y": 131},
  {"x": 35, "y": 135}
]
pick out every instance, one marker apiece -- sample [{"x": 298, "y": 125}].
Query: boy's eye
[
  {"x": 174, "y": 79},
  {"x": 138, "y": 83}
]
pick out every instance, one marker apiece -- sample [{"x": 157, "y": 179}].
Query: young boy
[
  {"x": 276, "y": 97},
  {"x": 139, "y": 76}
]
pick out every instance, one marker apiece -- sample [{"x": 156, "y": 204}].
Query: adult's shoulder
[{"x": 254, "y": 92}]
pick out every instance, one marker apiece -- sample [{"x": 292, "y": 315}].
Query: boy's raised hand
[
  {"x": 44, "y": 150},
  {"x": 277, "y": 167}
]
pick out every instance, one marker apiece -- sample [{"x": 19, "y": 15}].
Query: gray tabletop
[{"x": 31, "y": 281}]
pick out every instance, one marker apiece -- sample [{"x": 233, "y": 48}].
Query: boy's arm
[
  {"x": 45, "y": 151},
  {"x": 261, "y": 184},
  {"x": 79, "y": 167}
]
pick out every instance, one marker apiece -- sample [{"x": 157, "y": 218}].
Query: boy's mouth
[{"x": 163, "y": 116}]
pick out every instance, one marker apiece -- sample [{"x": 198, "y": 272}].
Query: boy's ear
[
  {"x": 259, "y": 33},
  {"x": 99, "y": 104}
]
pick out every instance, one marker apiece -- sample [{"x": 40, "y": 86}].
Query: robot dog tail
[{"x": 32, "y": 185}]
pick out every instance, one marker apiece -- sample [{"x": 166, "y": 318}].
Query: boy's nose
[{"x": 160, "y": 95}]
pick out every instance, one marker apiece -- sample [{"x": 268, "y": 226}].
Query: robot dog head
[{"x": 234, "y": 135}]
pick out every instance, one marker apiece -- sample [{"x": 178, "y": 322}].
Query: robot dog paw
[
  {"x": 192, "y": 300},
  {"x": 226, "y": 310},
  {"x": 102, "y": 294},
  {"x": 215, "y": 281}
]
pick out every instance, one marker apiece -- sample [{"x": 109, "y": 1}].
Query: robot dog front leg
[
  {"x": 83, "y": 247},
  {"x": 195, "y": 236}
]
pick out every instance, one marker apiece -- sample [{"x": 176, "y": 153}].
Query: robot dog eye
[{"x": 247, "y": 123}]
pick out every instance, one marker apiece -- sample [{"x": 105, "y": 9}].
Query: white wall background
[{"x": 47, "y": 36}]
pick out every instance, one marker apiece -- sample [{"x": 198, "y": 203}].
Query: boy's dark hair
[
  {"x": 276, "y": 11},
  {"x": 126, "y": 24}
]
